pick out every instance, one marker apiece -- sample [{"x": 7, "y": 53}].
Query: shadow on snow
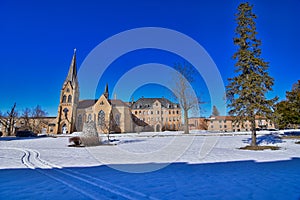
[
  {"x": 265, "y": 139},
  {"x": 227, "y": 180}
]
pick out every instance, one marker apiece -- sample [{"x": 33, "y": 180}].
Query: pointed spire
[
  {"x": 72, "y": 74},
  {"x": 106, "y": 94}
]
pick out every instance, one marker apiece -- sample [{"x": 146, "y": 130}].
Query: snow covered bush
[{"x": 89, "y": 136}]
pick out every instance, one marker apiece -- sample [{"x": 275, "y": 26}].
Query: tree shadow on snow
[{"x": 265, "y": 139}]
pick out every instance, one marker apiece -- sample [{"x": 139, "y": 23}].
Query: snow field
[{"x": 150, "y": 166}]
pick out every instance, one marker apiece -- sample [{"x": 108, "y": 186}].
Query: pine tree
[
  {"x": 215, "y": 111},
  {"x": 288, "y": 111},
  {"x": 293, "y": 97},
  {"x": 246, "y": 91}
]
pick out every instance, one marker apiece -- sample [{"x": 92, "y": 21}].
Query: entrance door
[
  {"x": 64, "y": 129},
  {"x": 157, "y": 129}
]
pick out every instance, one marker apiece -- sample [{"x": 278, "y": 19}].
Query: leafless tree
[
  {"x": 38, "y": 115},
  {"x": 184, "y": 93},
  {"x": 34, "y": 118},
  {"x": 8, "y": 120},
  {"x": 26, "y": 115},
  {"x": 108, "y": 126}
]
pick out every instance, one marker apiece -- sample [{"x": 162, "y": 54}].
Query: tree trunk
[
  {"x": 186, "y": 122},
  {"x": 253, "y": 136}
]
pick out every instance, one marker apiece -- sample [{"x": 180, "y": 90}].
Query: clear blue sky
[{"x": 37, "y": 39}]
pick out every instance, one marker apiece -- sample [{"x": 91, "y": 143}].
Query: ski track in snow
[{"x": 90, "y": 187}]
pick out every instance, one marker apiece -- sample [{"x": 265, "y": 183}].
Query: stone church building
[{"x": 111, "y": 115}]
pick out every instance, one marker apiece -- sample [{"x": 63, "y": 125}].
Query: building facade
[
  {"x": 197, "y": 123},
  {"x": 158, "y": 114},
  {"x": 228, "y": 124}
]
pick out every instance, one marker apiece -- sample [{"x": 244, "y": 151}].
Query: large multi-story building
[
  {"x": 228, "y": 124},
  {"x": 158, "y": 114}
]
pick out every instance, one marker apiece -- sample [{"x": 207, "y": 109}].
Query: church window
[
  {"x": 117, "y": 119},
  {"x": 101, "y": 118},
  {"x": 79, "y": 122},
  {"x": 68, "y": 90},
  {"x": 64, "y": 99},
  {"x": 70, "y": 99},
  {"x": 89, "y": 117},
  {"x": 66, "y": 110}
]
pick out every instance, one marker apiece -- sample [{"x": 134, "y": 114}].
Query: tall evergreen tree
[{"x": 246, "y": 92}]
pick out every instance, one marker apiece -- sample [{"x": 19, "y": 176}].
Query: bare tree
[
  {"x": 8, "y": 120},
  {"x": 37, "y": 115},
  {"x": 184, "y": 93},
  {"x": 108, "y": 126},
  {"x": 26, "y": 115},
  {"x": 34, "y": 118}
]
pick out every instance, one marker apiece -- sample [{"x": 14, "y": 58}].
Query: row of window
[
  {"x": 148, "y": 106},
  {"x": 225, "y": 126},
  {"x": 100, "y": 121},
  {"x": 161, "y": 119},
  {"x": 150, "y": 112},
  {"x": 64, "y": 99}
]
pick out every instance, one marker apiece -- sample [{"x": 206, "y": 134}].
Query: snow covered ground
[{"x": 165, "y": 165}]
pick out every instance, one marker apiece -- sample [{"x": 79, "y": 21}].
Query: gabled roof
[
  {"x": 221, "y": 118},
  {"x": 86, "y": 103},
  {"x": 117, "y": 102},
  {"x": 145, "y": 103},
  {"x": 91, "y": 102}
]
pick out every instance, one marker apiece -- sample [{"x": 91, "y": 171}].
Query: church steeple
[
  {"x": 72, "y": 74},
  {"x": 106, "y": 94},
  {"x": 69, "y": 98}
]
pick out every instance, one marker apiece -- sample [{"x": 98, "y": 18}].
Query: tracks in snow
[{"x": 89, "y": 186}]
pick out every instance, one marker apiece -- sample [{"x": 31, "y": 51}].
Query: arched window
[
  {"x": 70, "y": 99},
  {"x": 79, "y": 123},
  {"x": 89, "y": 118},
  {"x": 117, "y": 119},
  {"x": 101, "y": 118},
  {"x": 64, "y": 99}
]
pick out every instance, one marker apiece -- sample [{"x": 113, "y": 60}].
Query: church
[{"x": 111, "y": 115}]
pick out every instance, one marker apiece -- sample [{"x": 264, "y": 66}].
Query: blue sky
[{"x": 37, "y": 39}]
